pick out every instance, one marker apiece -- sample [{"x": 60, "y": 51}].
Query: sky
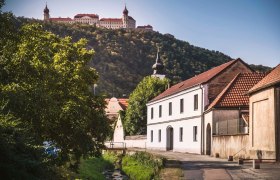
[{"x": 246, "y": 29}]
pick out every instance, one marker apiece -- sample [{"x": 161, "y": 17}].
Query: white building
[
  {"x": 90, "y": 19},
  {"x": 175, "y": 117},
  {"x": 126, "y": 21}
]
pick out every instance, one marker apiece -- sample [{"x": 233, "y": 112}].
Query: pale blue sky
[{"x": 249, "y": 29}]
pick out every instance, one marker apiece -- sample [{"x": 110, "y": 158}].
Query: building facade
[
  {"x": 175, "y": 117},
  {"x": 264, "y": 139},
  {"x": 126, "y": 21},
  {"x": 227, "y": 118}
]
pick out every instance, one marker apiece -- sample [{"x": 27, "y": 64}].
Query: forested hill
[{"x": 123, "y": 57}]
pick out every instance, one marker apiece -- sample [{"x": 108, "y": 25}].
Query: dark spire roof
[
  {"x": 125, "y": 11},
  {"x": 158, "y": 66},
  {"x": 46, "y": 10}
]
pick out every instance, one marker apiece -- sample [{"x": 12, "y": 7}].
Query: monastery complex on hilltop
[{"x": 126, "y": 21}]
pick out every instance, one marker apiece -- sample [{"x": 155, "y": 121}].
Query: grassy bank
[
  {"x": 142, "y": 165},
  {"x": 93, "y": 167}
]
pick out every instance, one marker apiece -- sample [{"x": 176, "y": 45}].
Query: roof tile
[
  {"x": 235, "y": 93},
  {"x": 269, "y": 80},
  {"x": 196, "y": 80}
]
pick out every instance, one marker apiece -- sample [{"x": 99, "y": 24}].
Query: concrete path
[{"x": 198, "y": 167}]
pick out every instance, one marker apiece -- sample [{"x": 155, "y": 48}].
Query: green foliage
[
  {"x": 260, "y": 68},
  {"x": 141, "y": 165},
  {"x": 92, "y": 168},
  {"x": 46, "y": 82},
  {"x": 124, "y": 57},
  {"x": 20, "y": 157},
  {"x": 135, "y": 121}
]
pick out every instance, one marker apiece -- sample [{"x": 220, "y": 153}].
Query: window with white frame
[
  {"x": 195, "y": 133},
  {"x": 159, "y": 135},
  {"x": 170, "y": 108},
  {"x": 181, "y": 134},
  {"x": 181, "y": 105},
  {"x": 195, "y": 100},
  {"x": 160, "y": 111}
]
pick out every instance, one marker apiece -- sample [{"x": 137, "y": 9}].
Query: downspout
[{"x": 202, "y": 122}]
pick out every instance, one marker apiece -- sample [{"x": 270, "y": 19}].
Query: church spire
[
  {"x": 158, "y": 67},
  {"x": 46, "y": 13},
  {"x": 125, "y": 11}
]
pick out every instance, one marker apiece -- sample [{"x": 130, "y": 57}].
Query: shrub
[{"x": 141, "y": 165}]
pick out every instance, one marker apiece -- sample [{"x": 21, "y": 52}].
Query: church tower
[
  {"x": 46, "y": 13},
  {"x": 158, "y": 68},
  {"x": 125, "y": 17}
]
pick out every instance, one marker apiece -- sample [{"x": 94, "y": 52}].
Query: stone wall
[{"x": 231, "y": 145}]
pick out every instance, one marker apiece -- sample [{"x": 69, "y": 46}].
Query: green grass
[
  {"x": 141, "y": 166},
  {"x": 93, "y": 167}
]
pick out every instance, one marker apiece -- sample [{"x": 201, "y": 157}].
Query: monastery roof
[
  {"x": 111, "y": 19},
  {"x": 235, "y": 93},
  {"x": 61, "y": 19},
  {"x": 89, "y": 15},
  {"x": 196, "y": 80},
  {"x": 269, "y": 80}
]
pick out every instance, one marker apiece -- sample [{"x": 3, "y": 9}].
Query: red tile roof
[
  {"x": 61, "y": 19},
  {"x": 111, "y": 19},
  {"x": 123, "y": 102},
  {"x": 196, "y": 80},
  {"x": 269, "y": 80},
  {"x": 235, "y": 93},
  {"x": 89, "y": 15}
]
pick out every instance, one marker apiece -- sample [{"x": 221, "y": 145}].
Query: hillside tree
[
  {"x": 45, "y": 82},
  {"x": 136, "y": 114}
]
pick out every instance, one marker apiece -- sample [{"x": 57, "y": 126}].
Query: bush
[
  {"x": 142, "y": 165},
  {"x": 93, "y": 167}
]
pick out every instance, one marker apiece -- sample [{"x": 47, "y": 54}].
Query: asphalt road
[{"x": 198, "y": 167}]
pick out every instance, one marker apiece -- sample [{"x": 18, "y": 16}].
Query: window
[
  {"x": 159, "y": 135},
  {"x": 181, "y": 134},
  {"x": 195, "y": 133},
  {"x": 170, "y": 108},
  {"x": 159, "y": 111},
  {"x": 195, "y": 102},
  {"x": 152, "y": 135},
  {"x": 152, "y": 113},
  {"x": 181, "y": 105}
]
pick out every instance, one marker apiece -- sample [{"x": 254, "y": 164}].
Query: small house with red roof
[
  {"x": 226, "y": 120},
  {"x": 176, "y": 117},
  {"x": 264, "y": 138},
  {"x": 114, "y": 105}
]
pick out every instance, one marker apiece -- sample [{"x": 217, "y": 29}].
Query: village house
[
  {"x": 227, "y": 118},
  {"x": 264, "y": 116},
  {"x": 175, "y": 117},
  {"x": 115, "y": 105}
]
